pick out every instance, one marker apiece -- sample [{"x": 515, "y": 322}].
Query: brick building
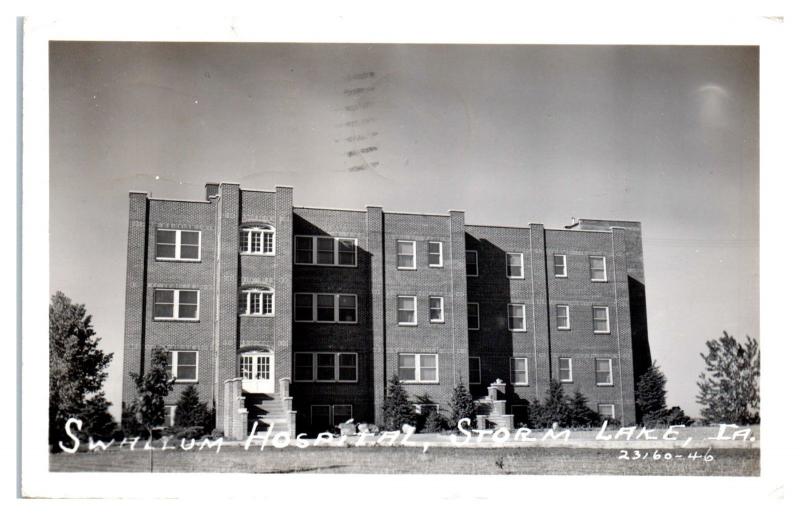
[{"x": 299, "y": 316}]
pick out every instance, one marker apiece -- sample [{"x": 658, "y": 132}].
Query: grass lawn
[{"x": 390, "y": 460}]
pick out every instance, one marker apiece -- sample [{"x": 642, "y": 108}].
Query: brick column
[
  {"x": 228, "y": 290},
  {"x": 458, "y": 270},
  {"x": 284, "y": 236},
  {"x": 374, "y": 247},
  {"x": 135, "y": 293},
  {"x": 622, "y": 326},
  {"x": 541, "y": 318}
]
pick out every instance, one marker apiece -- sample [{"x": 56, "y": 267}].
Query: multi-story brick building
[{"x": 302, "y": 315}]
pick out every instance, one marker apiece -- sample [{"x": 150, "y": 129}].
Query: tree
[
  {"x": 729, "y": 385},
  {"x": 77, "y": 371},
  {"x": 556, "y": 408},
  {"x": 651, "y": 399},
  {"x": 461, "y": 405},
  {"x": 190, "y": 412},
  {"x": 582, "y": 414},
  {"x": 397, "y": 410},
  {"x": 151, "y": 388}
]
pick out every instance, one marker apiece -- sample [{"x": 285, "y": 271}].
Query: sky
[{"x": 512, "y": 134}]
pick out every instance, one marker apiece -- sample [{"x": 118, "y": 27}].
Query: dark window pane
[
  {"x": 190, "y": 238},
  {"x": 163, "y": 310},
  {"x": 165, "y": 251},
  {"x": 325, "y": 308},
  {"x": 190, "y": 252},
  {"x": 188, "y": 297},
  {"x": 164, "y": 296},
  {"x": 304, "y": 249},
  {"x": 164, "y": 236},
  {"x": 325, "y": 251},
  {"x": 187, "y": 311}
]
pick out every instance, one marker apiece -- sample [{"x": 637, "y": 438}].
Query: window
[
  {"x": 602, "y": 372},
  {"x": 425, "y": 409},
  {"x": 474, "y": 370},
  {"x": 600, "y": 319},
  {"x": 514, "y": 268},
  {"x": 606, "y": 411},
  {"x": 332, "y": 308},
  {"x": 519, "y": 371},
  {"x": 565, "y": 370},
  {"x": 560, "y": 265},
  {"x": 562, "y": 317},
  {"x": 472, "y": 263},
  {"x": 418, "y": 368},
  {"x": 326, "y": 367},
  {"x": 342, "y": 413},
  {"x": 597, "y": 268},
  {"x": 406, "y": 310},
  {"x": 321, "y": 417},
  {"x": 182, "y": 365},
  {"x": 254, "y": 367},
  {"x": 177, "y": 245},
  {"x": 176, "y": 305},
  {"x": 436, "y": 309},
  {"x": 473, "y": 316},
  {"x": 256, "y": 302},
  {"x": 169, "y": 415},
  {"x": 257, "y": 240},
  {"x": 406, "y": 255},
  {"x": 516, "y": 317},
  {"x": 325, "y": 251},
  {"x": 435, "y": 254}
]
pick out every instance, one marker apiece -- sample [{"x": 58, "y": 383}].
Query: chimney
[{"x": 212, "y": 190}]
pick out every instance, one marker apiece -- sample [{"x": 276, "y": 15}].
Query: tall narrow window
[
  {"x": 516, "y": 317},
  {"x": 597, "y": 268},
  {"x": 346, "y": 252},
  {"x": 256, "y": 302},
  {"x": 435, "y": 254},
  {"x": 304, "y": 250},
  {"x": 326, "y": 308},
  {"x": 325, "y": 251},
  {"x": 565, "y": 370},
  {"x": 304, "y": 307},
  {"x": 600, "y": 319},
  {"x": 514, "y": 266},
  {"x": 177, "y": 245},
  {"x": 562, "y": 317},
  {"x": 406, "y": 255},
  {"x": 436, "y": 309},
  {"x": 326, "y": 367},
  {"x": 519, "y": 371},
  {"x": 472, "y": 263},
  {"x": 406, "y": 310},
  {"x": 602, "y": 371},
  {"x": 473, "y": 316},
  {"x": 257, "y": 240},
  {"x": 474, "y": 370},
  {"x": 560, "y": 265}
]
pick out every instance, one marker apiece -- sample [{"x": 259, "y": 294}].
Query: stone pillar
[{"x": 135, "y": 293}]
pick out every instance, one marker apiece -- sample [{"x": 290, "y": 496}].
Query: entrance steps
[
  {"x": 266, "y": 409},
  {"x": 492, "y": 410}
]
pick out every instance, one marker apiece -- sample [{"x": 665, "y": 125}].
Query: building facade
[{"x": 300, "y": 316}]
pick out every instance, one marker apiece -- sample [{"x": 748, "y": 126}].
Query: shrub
[
  {"x": 188, "y": 433},
  {"x": 461, "y": 404},
  {"x": 397, "y": 410},
  {"x": 582, "y": 414},
  {"x": 435, "y": 422},
  {"x": 189, "y": 411}
]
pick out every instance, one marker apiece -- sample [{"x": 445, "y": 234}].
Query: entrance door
[{"x": 257, "y": 369}]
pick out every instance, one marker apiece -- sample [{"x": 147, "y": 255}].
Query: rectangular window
[
  {"x": 342, "y": 413},
  {"x": 436, "y": 309},
  {"x": 406, "y": 255},
  {"x": 177, "y": 245},
  {"x": 325, "y": 251},
  {"x": 256, "y": 302},
  {"x": 257, "y": 240},
  {"x": 516, "y": 317},
  {"x": 597, "y": 268},
  {"x": 514, "y": 265},
  {"x": 176, "y": 304},
  {"x": 321, "y": 417},
  {"x": 602, "y": 372},
  {"x": 472, "y": 263},
  {"x": 562, "y": 317},
  {"x": 406, "y": 310},
  {"x": 560, "y": 265},
  {"x": 326, "y": 367},
  {"x": 182, "y": 365},
  {"x": 565, "y": 370},
  {"x": 330, "y": 308},
  {"x": 435, "y": 254},
  {"x": 418, "y": 368},
  {"x": 600, "y": 320},
  {"x": 606, "y": 411},
  {"x": 473, "y": 316},
  {"x": 474, "y": 370},
  {"x": 519, "y": 371}
]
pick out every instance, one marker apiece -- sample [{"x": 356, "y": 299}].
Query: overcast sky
[{"x": 511, "y": 134}]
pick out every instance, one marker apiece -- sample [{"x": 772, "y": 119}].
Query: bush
[
  {"x": 435, "y": 422},
  {"x": 461, "y": 404},
  {"x": 562, "y": 410},
  {"x": 673, "y": 416},
  {"x": 582, "y": 414},
  {"x": 188, "y": 433},
  {"x": 397, "y": 410},
  {"x": 190, "y": 412},
  {"x": 130, "y": 425}
]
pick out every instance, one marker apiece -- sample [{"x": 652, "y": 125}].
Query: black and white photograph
[{"x": 275, "y": 258}]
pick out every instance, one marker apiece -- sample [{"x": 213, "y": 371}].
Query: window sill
[
  {"x": 516, "y": 278},
  {"x": 406, "y": 269},
  {"x": 248, "y": 315},
  {"x": 437, "y": 321},
  {"x": 435, "y": 266},
  {"x": 187, "y": 381},
  {"x": 604, "y": 384},
  {"x": 599, "y": 280},
  {"x": 403, "y": 324},
  {"x": 256, "y": 253},
  {"x": 520, "y": 384},
  {"x": 179, "y": 260},
  {"x": 560, "y": 276},
  {"x": 563, "y": 329},
  {"x": 517, "y": 330},
  {"x": 155, "y": 319},
  {"x": 419, "y": 382},
  {"x": 331, "y": 265},
  {"x": 473, "y": 328},
  {"x": 602, "y": 332}
]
